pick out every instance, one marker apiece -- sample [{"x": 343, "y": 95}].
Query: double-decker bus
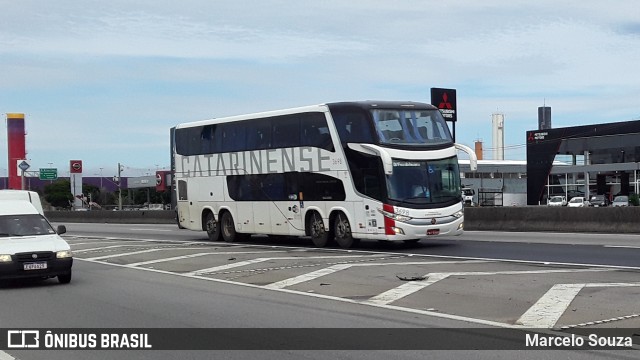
[{"x": 340, "y": 171}]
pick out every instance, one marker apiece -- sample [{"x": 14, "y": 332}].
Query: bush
[{"x": 634, "y": 199}]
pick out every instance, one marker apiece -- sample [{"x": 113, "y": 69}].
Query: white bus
[{"x": 338, "y": 171}]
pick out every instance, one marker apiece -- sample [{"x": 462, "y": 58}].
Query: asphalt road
[
  {"x": 108, "y": 295},
  {"x": 571, "y": 248}
]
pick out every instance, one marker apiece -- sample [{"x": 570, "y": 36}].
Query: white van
[
  {"x": 26, "y": 195},
  {"x": 29, "y": 246}
]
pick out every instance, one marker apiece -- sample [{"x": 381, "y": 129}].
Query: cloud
[{"x": 119, "y": 74}]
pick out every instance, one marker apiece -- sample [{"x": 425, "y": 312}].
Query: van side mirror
[{"x": 61, "y": 229}]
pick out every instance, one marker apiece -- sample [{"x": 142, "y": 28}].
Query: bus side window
[
  {"x": 259, "y": 134},
  {"x": 315, "y": 132},
  {"x": 233, "y": 136},
  {"x": 286, "y": 132}
]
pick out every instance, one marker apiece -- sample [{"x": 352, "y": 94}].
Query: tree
[{"x": 58, "y": 194}]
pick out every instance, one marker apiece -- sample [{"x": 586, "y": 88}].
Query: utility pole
[{"x": 119, "y": 186}]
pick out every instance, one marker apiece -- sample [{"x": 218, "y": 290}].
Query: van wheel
[
  {"x": 342, "y": 231},
  {"x": 65, "y": 279},
  {"x": 228, "y": 228},
  {"x": 211, "y": 225},
  {"x": 319, "y": 235}
]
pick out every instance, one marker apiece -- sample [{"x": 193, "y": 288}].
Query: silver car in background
[{"x": 620, "y": 200}]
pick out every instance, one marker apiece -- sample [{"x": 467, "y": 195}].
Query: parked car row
[{"x": 581, "y": 201}]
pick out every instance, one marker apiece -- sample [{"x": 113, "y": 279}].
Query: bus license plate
[
  {"x": 35, "y": 266},
  {"x": 433, "y": 231}
]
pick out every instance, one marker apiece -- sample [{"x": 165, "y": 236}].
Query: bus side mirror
[{"x": 473, "y": 159}]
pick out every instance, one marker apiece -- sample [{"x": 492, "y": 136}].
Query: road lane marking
[
  {"x": 259, "y": 260},
  {"x": 321, "y": 296},
  {"x": 197, "y": 255},
  {"x": 123, "y": 254},
  {"x": 169, "y": 248},
  {"x": 150, "y": 229},
  {"x": 335, "y": 268},
  {"x": 6, "y": 356},
  {"x": 103, "y": 248},
  {"x": 546, "y": 312},
  {"x": 307, "y": 277},
  {"x": 409, "y": 288},
  {"x": 550, "y": 307}
]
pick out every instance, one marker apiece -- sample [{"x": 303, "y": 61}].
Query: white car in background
[
  {"x": 557, "y": 201},
  {"x": 578, "y": 201}
]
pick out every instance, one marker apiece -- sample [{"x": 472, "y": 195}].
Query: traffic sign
[
  {"x": 24, "y": 165},
  {"x": 48, "y": 174}
]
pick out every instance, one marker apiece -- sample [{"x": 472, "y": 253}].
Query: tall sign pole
[
  {"x": 119, "y": 186},
  {"x": 75, "y": 178},
  {"x": 23, "y": 165}
]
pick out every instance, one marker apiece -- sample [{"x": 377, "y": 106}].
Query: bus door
[{"x": 182, "y": 203}]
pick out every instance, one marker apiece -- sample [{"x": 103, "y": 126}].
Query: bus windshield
[
  {"x": 424, "y": 182},
  {"x": 411, "y": 127}
]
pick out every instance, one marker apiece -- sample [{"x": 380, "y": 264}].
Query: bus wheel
[
  {"x": 342, "y": 231},
  {"x": 319, "y": 235},
  {"x": 227, "y": 229},
  {"x": 213, "y": 230}
]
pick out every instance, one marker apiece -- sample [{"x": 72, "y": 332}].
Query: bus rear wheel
[
  {"x": 211, "y": 225},
  {"x": 319, "y": 235},
  {"x": 342, "y": 231},
  {"x": 228, "y": 229}
]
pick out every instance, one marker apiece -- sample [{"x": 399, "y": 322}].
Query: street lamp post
[{"x": 50, "y": 165}]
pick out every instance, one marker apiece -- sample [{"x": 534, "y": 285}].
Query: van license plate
[
  {"x": 433, "y": 231},
  {"x": 35, "y": 266}
]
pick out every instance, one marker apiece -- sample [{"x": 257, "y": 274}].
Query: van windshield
[{"x": 24, "y": 225}]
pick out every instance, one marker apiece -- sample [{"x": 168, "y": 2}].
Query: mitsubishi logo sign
[
  {"x": 75, "y": 166},
  {"x": 445, "y": 100}
]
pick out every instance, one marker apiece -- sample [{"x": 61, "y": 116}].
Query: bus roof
[{"x": 366, "y": 105}]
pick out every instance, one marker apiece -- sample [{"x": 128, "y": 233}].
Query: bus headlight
[
  {"x": 458, "y": 214},
  {"x": 64, "y": 254},
  {"x": 396, "y": 217},
  {"x": 5, "y": 258}
]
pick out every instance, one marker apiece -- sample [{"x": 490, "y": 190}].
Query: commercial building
[{"x": 583, "y": 161}]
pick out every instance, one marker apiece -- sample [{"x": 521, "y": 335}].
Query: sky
[{"x": 103, "y": 82}]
